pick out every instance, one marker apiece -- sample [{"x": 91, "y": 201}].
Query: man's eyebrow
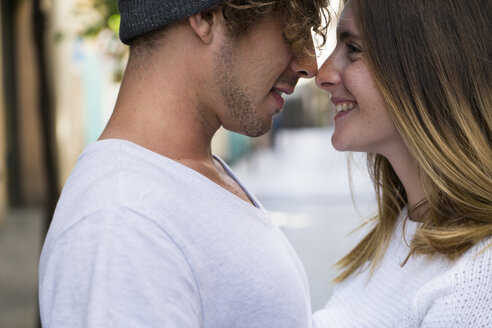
[{"x": 343, "y": 35}]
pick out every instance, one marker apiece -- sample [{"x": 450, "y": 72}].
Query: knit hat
[{"x": 142, "y": 16}]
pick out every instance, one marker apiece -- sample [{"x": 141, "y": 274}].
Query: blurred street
[
  {"x": 20, "y": 245},
  {"x": 302, "y": 181}
]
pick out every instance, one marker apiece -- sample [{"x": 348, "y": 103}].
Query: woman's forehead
[{"x": 346, "y": 24}]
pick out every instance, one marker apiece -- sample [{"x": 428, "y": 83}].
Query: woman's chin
[{"x": 338, "y": 144}]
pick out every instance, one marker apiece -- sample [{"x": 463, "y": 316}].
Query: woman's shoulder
[
  {"x": 460, "y": 295},
  {"x": 476, "y": 262},
  {"x": 472, "y": 269}
]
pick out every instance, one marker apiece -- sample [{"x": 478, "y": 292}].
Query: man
[{"x": 151, "y": 229}]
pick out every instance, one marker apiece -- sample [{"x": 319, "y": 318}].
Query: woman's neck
[{"x": 407, "y": 171}]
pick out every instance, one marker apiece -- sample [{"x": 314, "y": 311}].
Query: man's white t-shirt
[{"x": 139, "y": 240}]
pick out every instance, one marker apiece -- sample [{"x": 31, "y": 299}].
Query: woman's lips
[{"x": 343, "y": 106}]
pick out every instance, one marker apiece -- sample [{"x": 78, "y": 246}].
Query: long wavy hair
[{"x": 432, "y": 61}]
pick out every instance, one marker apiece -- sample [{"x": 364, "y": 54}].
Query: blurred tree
[
  {"x": 7, "y": 20},
  {"x": 46, "y": 116},
  {"x": 109, "y": 17},
  {"x": 105, "y": 18},
  {"x": 45, "y": 110}
]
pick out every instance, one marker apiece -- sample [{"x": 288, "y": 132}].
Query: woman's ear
[{"x": 204, "y": 24}]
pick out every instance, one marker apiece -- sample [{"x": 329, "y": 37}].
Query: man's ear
[{"x": 204, "y": 24}]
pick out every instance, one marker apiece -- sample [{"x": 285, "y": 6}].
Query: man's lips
[
  {"x": 278, "y": 91},
  {"x": 285, "y": 84},
  {"x": 277, "y": 94},
  {"x": 286, "y": 90}
]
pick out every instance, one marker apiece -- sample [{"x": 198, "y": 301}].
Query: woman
[{"x": 412, "y": 84}]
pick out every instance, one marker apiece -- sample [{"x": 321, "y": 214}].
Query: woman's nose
[{"x": 328, "y": 74}]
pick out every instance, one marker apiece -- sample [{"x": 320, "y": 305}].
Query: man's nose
[{"x": 304, "y": 64}]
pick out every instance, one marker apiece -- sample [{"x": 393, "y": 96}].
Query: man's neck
[
  {"x": 166, "y": 108},
  {"x": 162, "y": 115}
]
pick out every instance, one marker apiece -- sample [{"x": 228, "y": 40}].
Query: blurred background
[{"x": 60, "y": 66}]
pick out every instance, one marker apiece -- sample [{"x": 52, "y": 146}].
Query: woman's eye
[{"x": 353, "y": 49}]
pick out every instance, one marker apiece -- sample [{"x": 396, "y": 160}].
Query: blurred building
[
  {"x": 21, "y": 166},
  {"x": 3, "y": 144}
]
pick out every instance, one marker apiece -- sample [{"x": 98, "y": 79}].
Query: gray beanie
[{"x": 142, "y": 16}]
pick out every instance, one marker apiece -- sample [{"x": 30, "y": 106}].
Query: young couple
[{"x": 153, "y": 230}]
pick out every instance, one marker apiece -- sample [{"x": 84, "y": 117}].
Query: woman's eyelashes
[{"x": 353, "y": 51}]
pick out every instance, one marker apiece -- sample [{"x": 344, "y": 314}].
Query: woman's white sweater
[{"x": 428, "y": 292}]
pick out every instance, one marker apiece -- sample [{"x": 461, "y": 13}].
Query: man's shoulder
[
  {"x": 111, "y": 167},
  {"x": 113, "y": 174},
  {"x": 120, "y": 156}
]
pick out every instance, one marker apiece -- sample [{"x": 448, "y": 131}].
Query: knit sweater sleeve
[{"x": 462, "y": 298}]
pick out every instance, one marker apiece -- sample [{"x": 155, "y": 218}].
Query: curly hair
[{"x": 300, "y": 17}]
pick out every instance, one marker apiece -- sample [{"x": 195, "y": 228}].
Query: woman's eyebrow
[{"x": 344, "y": 34}]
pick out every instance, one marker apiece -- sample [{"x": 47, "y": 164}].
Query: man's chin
[{"x": 253, "y": 131}]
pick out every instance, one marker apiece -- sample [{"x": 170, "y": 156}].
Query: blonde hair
[{"x": 432, "y": 61}]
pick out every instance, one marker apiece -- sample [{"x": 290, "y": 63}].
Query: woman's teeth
[{"x": 344, "y": 107}]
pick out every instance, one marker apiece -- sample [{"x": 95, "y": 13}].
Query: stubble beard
[{"x": 241, "y": 110}]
